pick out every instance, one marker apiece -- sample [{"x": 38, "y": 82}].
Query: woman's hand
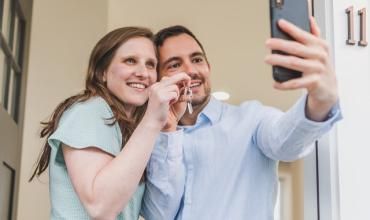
[
  {"x": 164, "y": 102},
  {"x": 177, "y": 108}
]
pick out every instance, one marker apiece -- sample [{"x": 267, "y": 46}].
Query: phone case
[{"x": 296, "y": 12}]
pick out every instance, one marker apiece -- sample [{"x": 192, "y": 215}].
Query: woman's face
[{"x": 132, "y": 71}]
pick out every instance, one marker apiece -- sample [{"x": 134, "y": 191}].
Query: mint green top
[{"x": 84, "y": 125}]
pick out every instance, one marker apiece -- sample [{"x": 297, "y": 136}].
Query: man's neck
[{"x": 190, "y": 119}]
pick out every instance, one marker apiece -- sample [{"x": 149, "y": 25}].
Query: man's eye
[
  {"x": 173, "y": 66},
  {"x": 197, "y": 59},
  {"x": 130, "y": 61}
]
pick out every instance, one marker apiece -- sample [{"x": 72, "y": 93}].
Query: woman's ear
[{"x": 105, "y": 77}]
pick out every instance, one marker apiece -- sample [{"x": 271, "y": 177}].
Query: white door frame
[{"x": 322, "y": 183}]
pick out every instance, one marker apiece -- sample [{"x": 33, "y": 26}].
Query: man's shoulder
[
  {"x": 247, "y": 109},
  {"x": 243, "y": 106}
]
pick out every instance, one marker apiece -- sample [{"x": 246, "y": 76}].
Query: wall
[
  {"x": 64, "y": 32},
  {"x": 353, "y": 70},
  {"x": 62, "y": 36},
  {"x": 232, "y": 33}
]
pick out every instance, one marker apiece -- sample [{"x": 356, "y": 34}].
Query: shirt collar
[{"x": 213, "y": 110}]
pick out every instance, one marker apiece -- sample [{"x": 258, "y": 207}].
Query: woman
[{"x": 99, "y": 141}]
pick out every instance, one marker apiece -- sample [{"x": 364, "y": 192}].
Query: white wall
[
  {"x": 233, "y": 34},
  {"x": 353, "y": 143},
  {"x": 63, "y": 34}
]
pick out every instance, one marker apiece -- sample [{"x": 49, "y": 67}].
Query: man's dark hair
[{"x": 174, "y": 31}]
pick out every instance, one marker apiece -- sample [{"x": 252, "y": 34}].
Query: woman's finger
[{"x": 177, "y": 78}]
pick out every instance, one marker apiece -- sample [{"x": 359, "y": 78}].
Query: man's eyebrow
[
  {"x": 197, "y": 54},
  {"x": 170, "y": 60},
  {"x": 178, "y": 58}
]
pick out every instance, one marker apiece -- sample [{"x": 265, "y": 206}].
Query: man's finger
[
  {"x": 315, "y": 30},
  {"x": 295, "y": 63},
  {"x": 299, "y": 83},
  {"x": 295, "y": 32},
  {"x": 292, "y": 48}
]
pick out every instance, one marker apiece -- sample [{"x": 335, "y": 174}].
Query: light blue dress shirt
[{"x": 225, "y": 166}]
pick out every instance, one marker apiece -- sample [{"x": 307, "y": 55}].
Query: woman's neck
[{"x": 129, "y": 110}]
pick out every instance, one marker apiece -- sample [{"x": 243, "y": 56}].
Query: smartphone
[{"x": 296, "y": 12}]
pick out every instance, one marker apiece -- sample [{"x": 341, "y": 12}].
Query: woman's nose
[{"x": 142, "y": 71}]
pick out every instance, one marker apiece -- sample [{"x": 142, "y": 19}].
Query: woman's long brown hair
[{"x": 100, "y": 58}]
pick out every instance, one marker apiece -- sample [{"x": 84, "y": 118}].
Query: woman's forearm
[{"x": 116, "y": 182}]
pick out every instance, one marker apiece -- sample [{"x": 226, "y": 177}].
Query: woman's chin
[{"x": 136, "y": 103}]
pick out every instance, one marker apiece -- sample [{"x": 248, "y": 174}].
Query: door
[{"x": 344, "y": 152}]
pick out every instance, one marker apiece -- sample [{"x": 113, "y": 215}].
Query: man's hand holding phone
[{"x": 309, "y": 54}]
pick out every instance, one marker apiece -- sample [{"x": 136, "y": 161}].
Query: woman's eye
[
  {"x": 151, "y": 65},
  {"x": 130, "y": 61}
]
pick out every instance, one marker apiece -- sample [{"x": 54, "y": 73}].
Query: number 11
[{"x": 350, "y": 17}]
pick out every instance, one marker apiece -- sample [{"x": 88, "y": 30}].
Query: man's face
[{"x": 183, "y": 54}]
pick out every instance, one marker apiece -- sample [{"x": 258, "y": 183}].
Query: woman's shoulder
[
  {"x": 94, "y": 112},
  {"x": 93, "y": 108},
  {"x": 94, "y": 104},
  {"x": 88, "y": 123}
]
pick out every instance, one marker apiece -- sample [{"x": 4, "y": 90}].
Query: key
[{"x": 189, "y": 93}]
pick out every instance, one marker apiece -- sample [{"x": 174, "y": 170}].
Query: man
[{"x": 220, "y": 162}]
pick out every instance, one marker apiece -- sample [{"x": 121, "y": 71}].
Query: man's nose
[{"x": 190, "y": 69}]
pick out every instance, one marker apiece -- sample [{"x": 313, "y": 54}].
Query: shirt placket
[{"x": 188, "y": 153}]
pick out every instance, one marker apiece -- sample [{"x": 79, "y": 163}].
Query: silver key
[{"x": 189, "y": 93}]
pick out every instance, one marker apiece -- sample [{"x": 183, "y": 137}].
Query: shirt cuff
[
  {"x": 299, "y": 113},
  {"x": 168, "y": 145}
]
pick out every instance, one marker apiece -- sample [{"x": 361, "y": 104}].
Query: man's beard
[{"x": 201, "y": 99}]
